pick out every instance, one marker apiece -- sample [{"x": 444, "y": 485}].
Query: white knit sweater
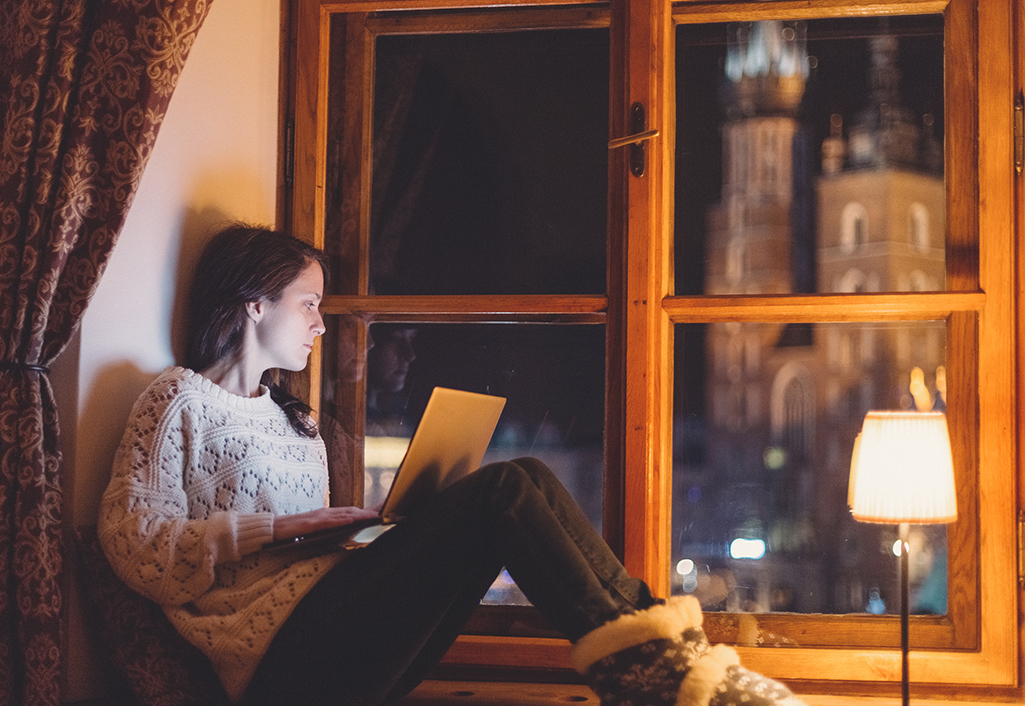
[{"x": 198, "y": 477}]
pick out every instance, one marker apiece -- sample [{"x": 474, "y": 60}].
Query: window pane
[
  {"x": 490, "y": 163},
  {"x": 765, "y": 420},
  {"x": 552, "y": 376},
  {"x": 819, "y": 167},
  {"x": 553, "y": 379}
]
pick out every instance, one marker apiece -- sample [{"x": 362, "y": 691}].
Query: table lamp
[{"x": 902, "y": 472}]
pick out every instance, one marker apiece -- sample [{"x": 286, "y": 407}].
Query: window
[
  {"x": 853, "y": 227},
  {"x": 918, "y": 226},
  {"x": 520, "y": 243},
  {"x": 736, "y": 261},
  {"x": 792, "y": 411}
]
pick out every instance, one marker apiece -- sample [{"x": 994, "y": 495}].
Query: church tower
[
  {"x": 757, "y": 233},
  {"x": 759, "y": 385},
  {"x": 881, "y": 226},
  {"x": 881, "y": 215},
  {"x": 751, "y": 230}
]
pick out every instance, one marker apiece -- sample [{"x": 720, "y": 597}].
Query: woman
[{"x": 218, "y": 460}]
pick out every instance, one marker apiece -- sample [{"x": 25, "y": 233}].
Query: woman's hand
[{"x": 289, "y": 526}]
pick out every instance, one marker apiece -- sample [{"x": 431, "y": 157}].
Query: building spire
[
  {"x": 885, "y": 133},
  {"x": 766, "y": 68}
]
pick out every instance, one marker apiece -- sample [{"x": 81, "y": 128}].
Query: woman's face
[
  {"x": 388, "y": 364},
  {"x": 287, "y": 328}
]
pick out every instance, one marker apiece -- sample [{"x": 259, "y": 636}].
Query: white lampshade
[{"x": 902, "y": 470}]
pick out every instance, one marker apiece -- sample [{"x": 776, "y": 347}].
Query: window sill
[{"x": 492, "y": 693}]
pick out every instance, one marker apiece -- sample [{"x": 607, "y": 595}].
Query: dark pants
[{"x": 372, "y": 627}]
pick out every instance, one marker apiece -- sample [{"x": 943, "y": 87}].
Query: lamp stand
[{"x": 905, "y": 549}]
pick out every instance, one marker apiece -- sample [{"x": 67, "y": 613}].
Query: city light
[
  {"x": 384, "y": 451},
  {"x": 688, "y": 570},
  {"x": 742, "y": 548}
]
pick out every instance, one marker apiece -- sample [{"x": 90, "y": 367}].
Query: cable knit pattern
[{"x": 198, "y": 477}]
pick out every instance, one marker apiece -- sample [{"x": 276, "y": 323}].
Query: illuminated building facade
[{"x": 786, "y": 400}]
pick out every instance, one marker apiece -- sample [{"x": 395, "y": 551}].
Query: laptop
[{"x": 449, "y": 443}]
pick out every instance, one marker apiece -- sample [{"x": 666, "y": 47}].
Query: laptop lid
[{"x": 449, "y": 442}]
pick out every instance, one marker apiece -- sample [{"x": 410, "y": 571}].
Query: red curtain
[{"x": 84, "y": 85}]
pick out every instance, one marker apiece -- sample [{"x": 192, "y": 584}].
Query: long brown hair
[{"x": 244, "y": 263}]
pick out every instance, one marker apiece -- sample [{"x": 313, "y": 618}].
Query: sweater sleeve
[{"x": 144, "y": 524}]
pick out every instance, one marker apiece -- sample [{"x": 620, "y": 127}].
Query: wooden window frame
[{"x": 977, "y": 651}]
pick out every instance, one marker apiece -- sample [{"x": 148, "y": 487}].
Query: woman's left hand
[{"x": 290, "y": 526}]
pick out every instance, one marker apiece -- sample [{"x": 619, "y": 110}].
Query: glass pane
[
  {"x": 765, "y": 420},
  {"x": 819, "y": 167},
  {"x": 490, "y": 163},
  {"x": 553, "y": 377}
]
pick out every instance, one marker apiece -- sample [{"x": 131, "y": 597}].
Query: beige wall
[{"x": 215, "y": 160}]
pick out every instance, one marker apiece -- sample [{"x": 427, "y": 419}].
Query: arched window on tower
[
  {"x": 918, "y": 226},
  {"x": 737, "y": 408},
  {"x": 734, "y": 358},
  {"x": 853, "y": 227},
  {"x": 736, "y": 261},
  {"x": 792, "y": 411},
  {"x": 768, "y": 157},
  {"x": 845, "y": 352}
]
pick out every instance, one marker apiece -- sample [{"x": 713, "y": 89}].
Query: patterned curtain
[{"x": 84, "y": 85}]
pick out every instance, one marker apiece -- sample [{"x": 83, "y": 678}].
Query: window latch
[
  {"x": 1021, "y": 549},
  {"x": 638, "y": 125}
]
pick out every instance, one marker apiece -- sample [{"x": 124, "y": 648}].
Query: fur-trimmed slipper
[
  {"x": 661, "y": 657},
  {"x": 717, "y": 679}
]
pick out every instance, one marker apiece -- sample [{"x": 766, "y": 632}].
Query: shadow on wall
[
  {"x": 198, "y": 226},
  {"x": 102, "y": 421},
  {"x": 108, "y": 402}
]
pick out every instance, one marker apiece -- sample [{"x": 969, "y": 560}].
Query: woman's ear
[{"x": 255, "y": 310}]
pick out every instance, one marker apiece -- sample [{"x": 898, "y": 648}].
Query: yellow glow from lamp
[{"x": 902, "y": 470}]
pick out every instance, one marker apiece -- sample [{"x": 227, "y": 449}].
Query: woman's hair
[{"x": 243, "y": 264}]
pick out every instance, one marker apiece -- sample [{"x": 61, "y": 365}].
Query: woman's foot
[{"x": 661, "y": 657}]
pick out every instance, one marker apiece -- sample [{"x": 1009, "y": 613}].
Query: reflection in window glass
[
  {"x": 553, "y": 379},
  {"x": 823, "y": 150},
  {"x": 344, "y": 370},
  {"x": 490, "y": 163},
  {"x": 552, "y": 376},
  {"x": 761, "y": 462}
]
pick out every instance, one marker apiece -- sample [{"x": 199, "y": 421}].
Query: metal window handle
[
  {"x": 638, "y": 124},
  {"x": 632, "y": 139}
]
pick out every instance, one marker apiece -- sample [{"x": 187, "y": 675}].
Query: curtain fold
[{"x": 84, "y": 85}]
